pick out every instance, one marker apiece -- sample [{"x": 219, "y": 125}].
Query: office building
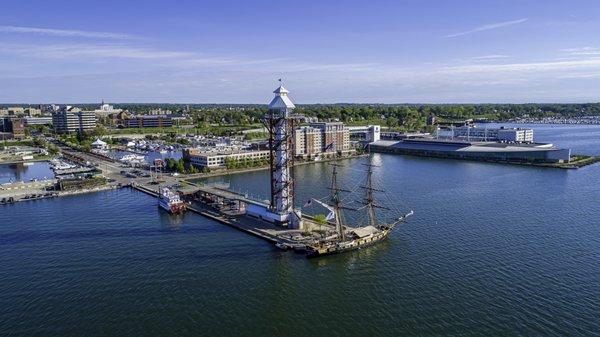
[
  {"x": 37, "y": 121},
  {"x": 126, "y": 120},
  {"x": 217, "y": 159},
  {"x": 368, "y": 133},
  {"x": 13, "y": 127},
  {"x": 70, "y": 119},
  {"x": 516, "y": 135}
]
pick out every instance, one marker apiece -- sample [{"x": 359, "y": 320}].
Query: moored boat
[
  {"x": 351, "y": 238},
  {"x": 170, "y": 201}
]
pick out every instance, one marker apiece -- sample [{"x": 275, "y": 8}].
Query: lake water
[
  {"x": 491, "y": 250},
  {"x": 25, "y": 172},
  {"x": 581, "y": 139}
]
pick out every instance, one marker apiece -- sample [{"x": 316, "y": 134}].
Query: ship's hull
[
  {"x": 173, "y": 208},
  {"x": 313, "y": 252}
]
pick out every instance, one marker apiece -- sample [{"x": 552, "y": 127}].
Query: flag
[
  {"x": 330, "y": 216},
  {"x": 329, "y": 147},
  {"x": 308, "y": 203}
]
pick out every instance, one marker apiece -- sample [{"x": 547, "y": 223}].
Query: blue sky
[{"x": 326, "y": 51}]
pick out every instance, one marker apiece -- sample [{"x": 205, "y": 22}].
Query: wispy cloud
[
  {"x": 64, "y": 32},
  {"x": 149, "y": 56},
  {"x": 491, "y": 57},
  {"x": 586, "y": 51},
  {"x": 487, "y": 27}
]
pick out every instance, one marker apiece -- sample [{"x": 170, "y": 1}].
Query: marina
[{"x": 123, "y": 242}]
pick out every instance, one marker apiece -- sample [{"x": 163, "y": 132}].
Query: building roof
[
  {"x": 281, "y": 90},
  {"x": 281, "y": 99},
  {"x": 99, "y": 142}
]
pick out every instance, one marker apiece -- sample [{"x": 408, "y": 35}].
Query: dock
[{"x": 255, "y": 227}]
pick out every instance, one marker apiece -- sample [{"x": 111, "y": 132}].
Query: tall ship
[
  {"x": 170, "y": 201},
  {"x": 347, "y": 237}
]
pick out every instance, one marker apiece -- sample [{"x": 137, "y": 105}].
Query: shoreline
[
  {"x": 35, "y": 160},
  {"x": 537, "y": 123}
]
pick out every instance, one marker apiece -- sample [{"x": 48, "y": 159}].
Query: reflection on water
[
  {"x": 25, "y": 171},
  {"x": 491, "y": 250}
]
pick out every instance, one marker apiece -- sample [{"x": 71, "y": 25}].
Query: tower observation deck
[{"x": 280, "y": 123}]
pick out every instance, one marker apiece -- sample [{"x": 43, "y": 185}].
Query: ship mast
[
  {"x": 336, "y": 203},
  {"x": 369, "y": 200}
]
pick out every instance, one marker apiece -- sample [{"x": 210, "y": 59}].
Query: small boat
[{"x": 170, "y": 201}]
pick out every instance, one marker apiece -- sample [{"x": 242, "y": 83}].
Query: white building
[
  {"x": 99, "y": 144},
  {"x": 217, "y": 159},
  {"x": 368, "y": 133},
  {"x": 470, "y": 133},
  {"x": 105, "y": 110}
]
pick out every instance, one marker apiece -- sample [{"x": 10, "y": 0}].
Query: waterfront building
[
  {"x": 13, "y": 127},
  {"x": 483, "y": 151},
  {"x": 368, "y": 133},
  {"x": 321, "y": 138},
  {"x": 471, "y": 133},
  {"x": 70, "y": 119},
  {"x": 217, "y": 159},
  {"x": 336, "y": 137},
  {"x": 308, "y": 141},
  {"x": 106, "y": 110}
]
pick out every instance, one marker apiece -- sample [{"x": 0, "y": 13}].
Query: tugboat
[
  {"x": 170, "y": 201},
  {"x": 350, "y": 238}
]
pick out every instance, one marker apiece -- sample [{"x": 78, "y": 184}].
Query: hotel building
[{"x": 321, "y": 138}]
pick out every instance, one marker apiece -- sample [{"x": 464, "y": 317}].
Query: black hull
[{"x": 335, "y": 250}]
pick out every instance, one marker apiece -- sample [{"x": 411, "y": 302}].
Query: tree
[{"x": 321, "y": 220}]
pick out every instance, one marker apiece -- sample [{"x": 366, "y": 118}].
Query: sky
[{"x": 326, "y": 51}]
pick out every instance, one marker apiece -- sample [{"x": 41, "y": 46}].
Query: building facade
[
  {"x": 321, "y": 138},
  {"x": 126, "y": 120},
  {"x": 516, "y": 135},
  {"x": 70, "y": 119},
  {"x": 37, "y": 121},
  {"x": 368, "y": 133},
  {"x": 14, "y": 126},
  {"x": 217, "y": 159},
  {"x": 105, "y": 110}
]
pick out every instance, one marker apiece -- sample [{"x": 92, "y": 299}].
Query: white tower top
[{"x": 281, "y": 100}]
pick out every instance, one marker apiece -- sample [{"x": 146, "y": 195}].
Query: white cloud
[
  {"x": 585, "y": 51},
  {"x": 491, "y": 57},
  {"x": 93, "y": 52},
  {"x": 487, "y": 27},
  {"x": 64, "y": 32}
]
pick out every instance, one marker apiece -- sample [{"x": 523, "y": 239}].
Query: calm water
[
  {"x": 581, "y": 139},
  {"x": 22, "y": 172},
  {"x": 491, "y": 250}
]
